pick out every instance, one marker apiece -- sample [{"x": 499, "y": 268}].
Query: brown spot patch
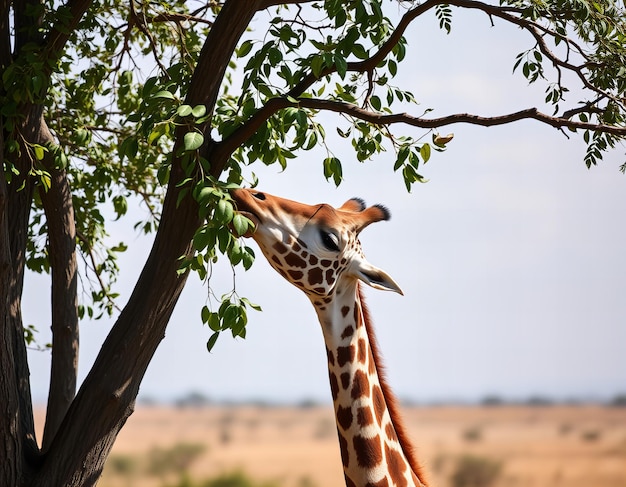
[
  {"x": 325, "y": 263},
  {"x": 345, "y": 310},
  {"x": 364, "y": 416},
  {"x": 334, "y": 385},
  {"x": 331, "y": 357},
  {"x": 280, "y": 248},
  {"x": 343, "y": 446},
  {"x": 313, "y": 260},
  {"x": 344, "y": 417},
  {"x": 360, "y": 385},
  {"x": 379, "y": 404},
  {"x": 345, "y": 355},
  {"x": 368, "y": 451},
  {"x": 348, "y": 333},
  {"x": 330, "y": 276},
  {"x": 295, "y": 275},
  {"x": 294, "y": 260},
  {"x": 362, "y": 350},
  {"x": 396, "y": 466},
  {"x": 345, "y": 380},
  {"x": 371, "y": 366},
  {"x": 315, "y": 276},
  {"x": 357, "y": 317}
]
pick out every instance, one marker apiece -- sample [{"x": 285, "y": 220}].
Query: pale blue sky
[{"x": 512, "y": 258}]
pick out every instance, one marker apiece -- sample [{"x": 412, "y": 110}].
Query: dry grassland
[{"x": 564, "y": 446}]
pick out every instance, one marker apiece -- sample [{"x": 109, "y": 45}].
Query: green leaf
[
  {"x": 199, "y": 111},
  {"x": 224, "y": 211},
  {"x": 248, "y": 258},
  {"x": 193, "y": 141},
  {"x": 240, "y": 224},
  {"x": 212, "y": 339},
  {"x": 317, "y": 64},
  {"x": 341, "y": 65},
  {"x": 40, "y": 152},
  {"x": 244, "y": 49},
  {"x": 205, "y": 314},
  {"x": 393, "y": 67},
  {"x": 425, "y": 152},
  {"x": 164, "y": 94},
  {"x": 252, "y": 305},
  {"x": 214, "y": 322},
  {"x": 184, "y": 110}
]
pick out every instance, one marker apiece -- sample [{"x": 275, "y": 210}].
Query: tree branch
[
  {"x": 57, "y": 204},
  {"x": 430, "y": 123},
  {"x": 246, "y": 130},
  {"x": 59, "y": 34},
  {"x": 370, "y": 63}
]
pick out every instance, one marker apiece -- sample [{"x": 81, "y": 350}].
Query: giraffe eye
[
  {"x": 330, "y": 240},
  {"x": 259, "y": 196}
]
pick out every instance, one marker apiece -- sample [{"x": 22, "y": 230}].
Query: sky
[{"x": 512, "y": 258}]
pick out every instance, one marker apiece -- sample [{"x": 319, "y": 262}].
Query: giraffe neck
[{"x": 374, "y": 449}]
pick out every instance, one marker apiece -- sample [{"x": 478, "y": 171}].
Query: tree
[{"x": 106, "y": 102}]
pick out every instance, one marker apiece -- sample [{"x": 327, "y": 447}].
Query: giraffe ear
[
  {"x": 353, "y": 204},
  {"x": 377, "y": 278}
]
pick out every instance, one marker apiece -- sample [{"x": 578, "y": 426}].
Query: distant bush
[
  {"x": 539, "y": 401},
  {"x": 591, "y": 435},
  {"x": 193, "y": 400},
  {"x": 308, "y": 404},
  {"x": 176, "y": 459},
  {"x": 618, "y": 401},
  {"x": 232, "y": 479},
  {"x": 475, "y": 433},
  {"x": 123, "y": 464},
  {"x": 475, "y": 471},
  {"x": 492, "y": 400}
]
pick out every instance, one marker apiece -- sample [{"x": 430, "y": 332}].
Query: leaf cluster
[{"x": 346, "y": 57}]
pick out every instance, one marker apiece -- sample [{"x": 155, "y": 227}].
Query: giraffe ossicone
[{"x": 317, "y": 249}]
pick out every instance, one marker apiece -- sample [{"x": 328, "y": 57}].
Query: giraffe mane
[{"x": 390, "y": 398}]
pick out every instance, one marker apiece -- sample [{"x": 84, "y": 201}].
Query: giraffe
[{"x": 316, "y": 248}]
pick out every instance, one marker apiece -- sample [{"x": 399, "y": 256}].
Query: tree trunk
[
  {"x": 81, "y": 430},
  {"x": 10, "y": 444}
]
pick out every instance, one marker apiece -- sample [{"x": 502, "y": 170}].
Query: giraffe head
[{"x": 314, "y": 246}]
